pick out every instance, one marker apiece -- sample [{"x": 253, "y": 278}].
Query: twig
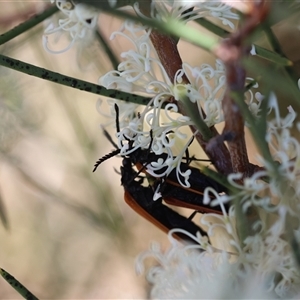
[
  {"x": 231, "y": 51},
  {"x": 166, "y": 48}
]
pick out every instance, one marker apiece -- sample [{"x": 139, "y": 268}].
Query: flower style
[
  {"x": 80, "y": 22},
  {"x": 263, "y": 258}
]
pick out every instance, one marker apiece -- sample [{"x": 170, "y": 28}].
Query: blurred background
[{"x": 69, "y": 234}]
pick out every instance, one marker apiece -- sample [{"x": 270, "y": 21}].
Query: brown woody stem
[
  {"x": 233, "y": 131},
  {"x": 167, "y": 51},
  {"x": 231, "y": 51}
]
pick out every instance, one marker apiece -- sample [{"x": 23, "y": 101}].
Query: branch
[{"x": 167, "y": 51}]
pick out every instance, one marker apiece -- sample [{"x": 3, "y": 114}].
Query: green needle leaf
[
  {"x": 19, "y": 287},
  {"x": 9, "y": 35},
  {"x": 76, "y": 83},
  {"x": 172, "y": 26},
  {"x": 272, "y": 56},
  {"x": 3, "y": 214}
]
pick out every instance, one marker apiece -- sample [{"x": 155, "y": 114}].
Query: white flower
[
  {"x": 141, "y": 72},
  {"x": 79, "y": 22},
  {"x": 260, "y": 265},
  {"x": 136, "y": 73},
  {"x": 159, "y": 126},
  {"x": 207, "y": 88},
  {"x": 188, "y": 272},
  {"x": 182, "y": 10}
]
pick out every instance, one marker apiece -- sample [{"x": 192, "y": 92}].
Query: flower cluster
[
  {"x": 253, "y": 239},
  {"x": 79, "y": 21},
  {"x": 158, "y": 125},
  {"x": 192, "y": 10},
  {"x": 264, "y": 256}
]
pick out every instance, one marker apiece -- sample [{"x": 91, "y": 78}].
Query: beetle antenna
[
  {"x": 108, "y": 136},
  {"x": 118, "y": 121},
  {"x": 117, "y": 117},
  {"x": 105, "y": 157}
]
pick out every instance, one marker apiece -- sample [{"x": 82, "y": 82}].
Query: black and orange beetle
[
  {"x": 140, "y": 198},
  {"x": 171, "y": 189}
]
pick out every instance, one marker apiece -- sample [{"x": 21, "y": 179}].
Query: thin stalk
[
  {"x": 277, "y": 48},
  {"x": 107, "y": 49},
  {"x": 269, "y": 75},
  {"x": 277, "y": 58},
  {"x": 172, "y": 27},
  {"x": 196, "y": 118},
  {"x": 70, "y": 81},
  {"x": 25, "y": 26},
  {"x": 19, "y": 287},
  {"x": 178, "y": 29}
]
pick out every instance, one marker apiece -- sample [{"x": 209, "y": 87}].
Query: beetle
[
  {"x": 142, "y": 157},
  {"x": 140, "y": 199},
  {"x": 171, "y": 190}
]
